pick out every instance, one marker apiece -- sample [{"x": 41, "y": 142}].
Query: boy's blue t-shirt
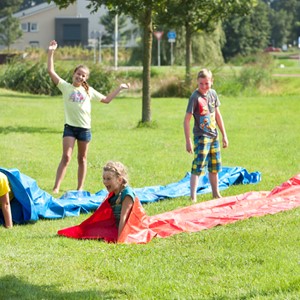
[{"x": 203, "y": 109}]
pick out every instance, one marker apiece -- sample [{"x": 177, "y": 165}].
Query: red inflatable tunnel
[{"x": 141, "y": 228}]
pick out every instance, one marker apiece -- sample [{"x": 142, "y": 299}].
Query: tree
[
  {"x": 6, "y": 5},
  {"x": 142, "y": 11},
  {"x": 284, "y": 19},
  {"x": 197, "y": 16},
  {"x": 247, "y": 34},
  {"x": 9, "y": 27}
]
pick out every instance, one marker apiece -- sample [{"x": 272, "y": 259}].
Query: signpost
[
  {"x": 299, "y": 47},
  {"x": 97, "y": 35},
  {"x": 158, "y": 35},
  {"x": 171, "y": 39}
]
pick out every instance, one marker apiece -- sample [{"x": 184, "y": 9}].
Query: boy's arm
[
  {"x": 221, "y": 126},
  {"x": 186, "y": 125}
]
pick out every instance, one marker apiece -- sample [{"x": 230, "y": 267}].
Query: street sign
[
  {"x": 158, "y": 34},
  {"x": 171, "y": 35}
]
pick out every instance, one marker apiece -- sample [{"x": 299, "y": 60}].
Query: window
[
  {"x": 29, "y": 27},
  {"x": 24, "y": 27},
  {"x": 33, "y": 27},
  {"x": 34, "y": 44}
]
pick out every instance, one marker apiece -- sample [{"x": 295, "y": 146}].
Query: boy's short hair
[{"x": 204, "y": 73}]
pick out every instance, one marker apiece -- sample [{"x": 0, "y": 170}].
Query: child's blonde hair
[
  {"x": 84, "y": 83},
  {"x": 204, "y": 73},
  {"x": 117, "y": 168}
]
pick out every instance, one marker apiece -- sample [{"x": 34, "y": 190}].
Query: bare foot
[{"x": 55, "y": 191}]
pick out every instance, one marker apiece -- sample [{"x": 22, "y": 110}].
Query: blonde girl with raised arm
[{"x": 77, "y": 97}]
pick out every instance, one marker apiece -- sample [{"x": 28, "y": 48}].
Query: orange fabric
[{"x": 141, "y": 228}]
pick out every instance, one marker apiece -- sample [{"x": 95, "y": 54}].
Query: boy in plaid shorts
[{"x": 204, "y": 107}]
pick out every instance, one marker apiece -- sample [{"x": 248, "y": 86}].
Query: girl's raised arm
[
  {"x": 53, "y": 75},
  {"x": 113, "y": 94}
]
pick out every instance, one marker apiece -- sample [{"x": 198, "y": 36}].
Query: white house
[{"x": 74, "y": 25}]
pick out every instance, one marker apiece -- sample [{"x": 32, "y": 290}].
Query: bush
[
  {"x": 173, "y": 88},
  {"x": 228, "y": 85},
  {"x": 26, "y": 78},
  {"x": 34, "y": 79}
]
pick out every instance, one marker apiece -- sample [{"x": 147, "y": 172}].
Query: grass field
[{"x": 257, "y": 258}]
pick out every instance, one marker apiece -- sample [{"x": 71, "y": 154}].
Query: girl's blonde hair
[
  {"x": 117, "y": 168},
  {"x": 84, "y": 83}
]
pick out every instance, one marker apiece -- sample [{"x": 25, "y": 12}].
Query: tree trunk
[
  {"x": 148, "y": 31},
  {"x": 188, "y": 54}
]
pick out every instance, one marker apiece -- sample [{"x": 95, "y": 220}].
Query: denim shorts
[{"x": 80, "y": 134}]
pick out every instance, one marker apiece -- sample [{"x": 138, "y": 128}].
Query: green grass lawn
[{"x": 257, "y": 258}]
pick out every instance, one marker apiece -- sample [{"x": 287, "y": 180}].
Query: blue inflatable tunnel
[
  {"x": 22, "y": 204},
  {"x": 31, "y": 203}
]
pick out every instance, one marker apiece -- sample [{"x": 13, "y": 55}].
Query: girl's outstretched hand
[
  {"x": 125, "y": 86},
  {"x": 52, "y": 45}
]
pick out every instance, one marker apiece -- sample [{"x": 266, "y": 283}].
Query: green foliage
[
  {"x": 246, "y": 34},
  {"x": 8, "y": 6},
  {"x": 30, "y": 78},
  {"x": 33, "y": 78},
  {"x": 206, "y": 48},
  {"x": 9, "y": 30},
  {"x": 258, "y": 74},
  {"x": 252, "y": 78},
  {"x": 254, "y": 74},
  {"x": 101, "y": 80},
  {"x": 173, "y": 87},
  {"x": 228, "y": 84},
  {"x": 284, "y": 17}
]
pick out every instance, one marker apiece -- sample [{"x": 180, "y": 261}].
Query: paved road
[{"x": 287, "y": 75}]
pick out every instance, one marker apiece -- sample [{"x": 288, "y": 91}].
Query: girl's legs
[
  {"x": 6, "y": 210},
  {"x": 68, "y": 146},
  {"x": 82, "y": 162}
]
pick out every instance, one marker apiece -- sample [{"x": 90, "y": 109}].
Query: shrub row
[
  {"x": 247, "y": 80},
  {"x": 33, "y": 78}
]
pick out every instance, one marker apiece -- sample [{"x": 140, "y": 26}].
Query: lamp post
[
  {"x": 97, "y": 36},
  {"x": 116, "y": 42}
]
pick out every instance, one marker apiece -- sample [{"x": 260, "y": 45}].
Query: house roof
[{"x": 35, "y": 10}]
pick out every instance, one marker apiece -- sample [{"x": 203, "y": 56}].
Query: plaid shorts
[{"x": 206, "y": 154}]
